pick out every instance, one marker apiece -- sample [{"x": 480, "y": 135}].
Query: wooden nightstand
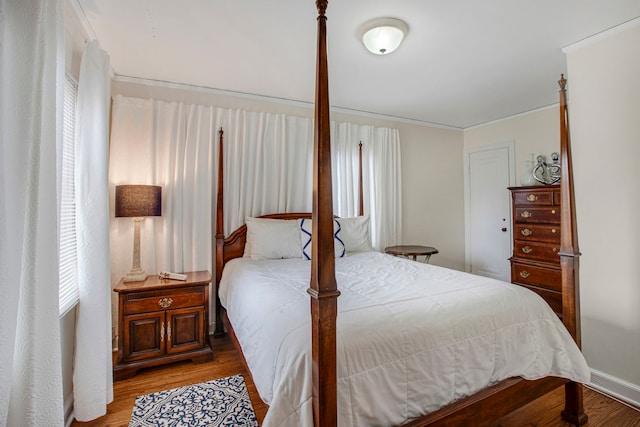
[
  {"x": 412, "y": 251},
  {"x": 162, "y": 321}
]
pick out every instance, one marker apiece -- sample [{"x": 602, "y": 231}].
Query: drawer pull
[
  {"x": 553, "y": 230},
  {"x": 524, "y": 274},
  {"x": 553, "y": 211},
  {"x": 555, "y": 249},
  {"x": 526, "y": 214},
  {"x": 165, "y": 302},
  {"x": 532, "y": 197},
  {"x": 162, "y": 332},
  {"x": 526, "y": 249},
  {"x": 526, "y": 232}
]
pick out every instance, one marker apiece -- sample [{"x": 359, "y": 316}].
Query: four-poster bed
[{"x": 474, "y": 408}]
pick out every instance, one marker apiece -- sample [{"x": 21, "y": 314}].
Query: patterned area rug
[{"x": 222, "y": 402}]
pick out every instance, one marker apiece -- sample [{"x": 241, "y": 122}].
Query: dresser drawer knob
[
  {"x": 532, "y": 197},
  {"x": 526, "y": 214},
  {"x": 526, "y": 232},
  {"x": 526, "y": 249},
  {"x": 555, "y": 249},
  {"x": 553, "y": 211},
  {"x": 165, "y": 302},
  {"x": 553, "y": 230},
  {"x": 524, "y": 274}
]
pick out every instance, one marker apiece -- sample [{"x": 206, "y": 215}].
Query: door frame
[{"x": 511, "y": 158}]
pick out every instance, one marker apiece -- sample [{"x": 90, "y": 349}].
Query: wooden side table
[
  {"x": 412, "y": 251},
  {"x": 162, "y": 321}
]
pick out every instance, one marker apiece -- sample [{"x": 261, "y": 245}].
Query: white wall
[
  {"x": 604, "y": 89},
  {"x": 433, "y": 192},
  {"x": 535, "y": 132}
]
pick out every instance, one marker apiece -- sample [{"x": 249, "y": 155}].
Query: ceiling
[{"x": 463, "y": 63}]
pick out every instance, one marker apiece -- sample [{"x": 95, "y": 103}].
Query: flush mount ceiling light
[{"x": 383, "y": 35}]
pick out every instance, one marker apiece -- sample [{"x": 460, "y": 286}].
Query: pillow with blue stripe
[{"x": 305, "y": 239}]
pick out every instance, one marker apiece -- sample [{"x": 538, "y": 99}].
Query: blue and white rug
[{"x": 222, "y": 402}]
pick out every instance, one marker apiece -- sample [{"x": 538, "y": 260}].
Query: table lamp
[{"x": 137, "y": 202}]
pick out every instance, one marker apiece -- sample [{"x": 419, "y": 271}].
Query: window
[{"x": 68, "y": 283}]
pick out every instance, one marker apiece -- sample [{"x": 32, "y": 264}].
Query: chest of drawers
[{"x": 535, "y": 263}]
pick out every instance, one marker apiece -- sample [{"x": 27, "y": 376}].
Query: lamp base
[{"x": 138, "y": 275}]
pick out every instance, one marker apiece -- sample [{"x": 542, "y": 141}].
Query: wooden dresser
[
  {"x": 162, "y": 321},
  {"x": 535, "y": 263}
]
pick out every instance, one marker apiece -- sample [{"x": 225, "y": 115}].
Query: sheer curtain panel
[
  {"x": 31, "y": 83},
  {"x": 382, "y": 179},
  {"x": 92, "y": 373}
]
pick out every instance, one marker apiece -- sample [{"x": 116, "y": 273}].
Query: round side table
[{"x": 412, "y": 251}]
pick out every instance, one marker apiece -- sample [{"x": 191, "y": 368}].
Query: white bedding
[{"x": 411, "y": 337}]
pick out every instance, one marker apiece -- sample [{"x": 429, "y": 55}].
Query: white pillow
[
  {"x": 272, "y": 239},
  {"x": 355, "y": 234},
  {"x": 305, "y": 239}
]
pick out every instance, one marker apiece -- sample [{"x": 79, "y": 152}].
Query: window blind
[{"x": 68, "y": 280}]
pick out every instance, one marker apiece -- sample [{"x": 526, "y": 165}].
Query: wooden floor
[{"x": 544, "y": 412}]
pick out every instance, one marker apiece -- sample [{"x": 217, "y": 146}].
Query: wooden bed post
[
  {"x": 569, "y": 259},
  {"x": 323, "y": 288},
  {"x": 219, "y": 259},
  {"x": 360, "y": 186}
]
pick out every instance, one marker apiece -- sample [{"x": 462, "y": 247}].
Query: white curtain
[
  {"x": 174, "y": 146},
  {"x": 268, "y": 168},
  {"x": 31, "y": 83},
  {"x": 92, "y": 373},
  {"x": 382, "y": 181}
]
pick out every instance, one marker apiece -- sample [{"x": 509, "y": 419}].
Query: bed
[{"x": 318, "y": 367}]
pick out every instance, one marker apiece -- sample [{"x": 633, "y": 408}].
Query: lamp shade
[
  {"x": 138, "y": 200},
  {"x": 384, "y": 35}
]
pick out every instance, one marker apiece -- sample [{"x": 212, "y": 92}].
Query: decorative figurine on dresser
[
  {"x": 162, "y": 319},
  {"x": 535, "y": 263}
]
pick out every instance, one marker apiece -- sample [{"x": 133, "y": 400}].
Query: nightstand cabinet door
[
  {"x": 143, "y": 336},
  {"x": 184, "y": 330}
]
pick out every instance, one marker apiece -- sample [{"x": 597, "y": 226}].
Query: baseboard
[{"x": 615, "y": 387}]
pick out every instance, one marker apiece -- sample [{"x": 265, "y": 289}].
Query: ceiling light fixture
[{"x": 383, "y": 35}]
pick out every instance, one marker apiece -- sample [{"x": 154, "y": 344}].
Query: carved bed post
[
  {"x": 219, "y": 235},
  {"x": 323, "y": 288},
  {"x": 360, "y": 186},
  {"x": 569, "y": 258}
]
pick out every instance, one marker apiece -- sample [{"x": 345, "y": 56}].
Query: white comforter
[{"x": 411, "y": 337}]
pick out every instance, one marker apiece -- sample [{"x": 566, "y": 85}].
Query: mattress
[{"x": 411, "y": 337}]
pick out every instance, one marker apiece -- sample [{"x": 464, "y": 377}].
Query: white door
[{"x": 489, "y": 171}]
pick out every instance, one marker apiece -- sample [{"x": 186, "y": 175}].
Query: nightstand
[
  {"x": 162, "y": 321},
  {"x": 412, "y": 251}
]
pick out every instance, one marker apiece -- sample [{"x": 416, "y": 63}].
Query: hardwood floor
[{"x": 544, "y": 412}]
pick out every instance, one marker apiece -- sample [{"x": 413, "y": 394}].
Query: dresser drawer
[
  {"x": 554, "y": 299},
  {"x": 536, "y": 250},
  {"x": 537, "y": 232},
  {"x": 526, "y": 215},
  {"x": 547, "y": 278},
  {"x": 532, "y": 197},
  {"x": 145, "y": 302}
]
